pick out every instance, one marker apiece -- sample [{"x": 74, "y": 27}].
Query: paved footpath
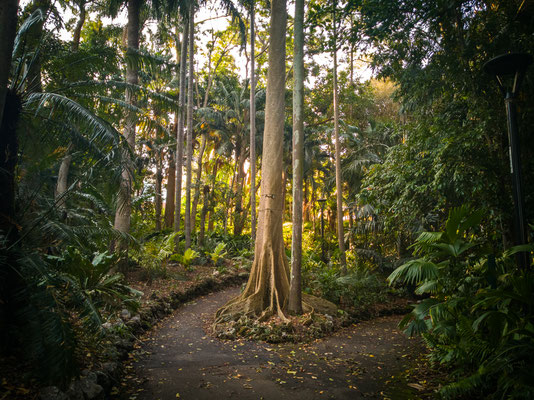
[{"x": 180, "y": 360}]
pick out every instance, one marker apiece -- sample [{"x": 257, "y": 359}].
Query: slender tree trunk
[
  {"x": 33, "y": 38},
  {"x": 306, "y": 206},
  {"x": 63, "y": 177},
  {"x": 78, "y": 28},
  {"x": 158, "y": 194},
  {"x": 196, "y": 197},
  {"x": 203, "y": 213},
  {"x": 252, "y": 127},
  {"x": 8, "y": 31},
  {"x": 238, "y": 215},
  {"x": 295, "y": 289},
  {"x": 267, "y": 289},
  {"x": 211, "y": 206},
  {"x": 180, "y": 116},
  {"x": 124, "y": 205},
  {"x": 339, "y": 182},
  {"x": 189, "y": 141},
  {"x": 169, "y": 198},
  {"x": 63, "y": 174},
  {"x": 10, "y": 109}
]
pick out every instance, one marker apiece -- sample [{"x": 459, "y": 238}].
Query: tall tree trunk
[
  {"x": 158, "y": 192},
  {"x": 238, "y": 215},
  {"x": 63, "y": 177},
  {"x": 180, "y": 116},
  {"x": 295, "y": 289},
  {"x": 63, "y": 174},
  {"x": 75, "y": 44},
  {"x": 169, "y": 198},
  {"x": 306, "y": 205},
  {"x": 196, "y": 197},
  {"x": 252, "y": 128},
  {"x": 124, "y": 203},
  {"x": 203, "y": 213},
  {"x": 211, "y": 206},
  {"x": 33, "y": 38},
  {"x": 189, "y": 141},
  {"x": 10, "y": 109},
  {"x": 339, "y": 182},
  {"x": 267, "y": 289},
  {"x": 8, "y": 31}
]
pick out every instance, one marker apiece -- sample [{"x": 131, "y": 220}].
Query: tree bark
[
  {"x": 74, "y": 46},
  {"x": 252, "y": 128},
  {"x": 196, "y": 197},
  {"x": 180, "y": 129},
  {"x": 63, "y": 174},
  {"x": 8, "y": 31},
  {"x": 158, "y": 192},
  {"x": 203, "y": 213},
  {"x": 295, "y": 290},
  {"x": 62, "y": 178},
  {"x": 169, "y": 198},
  {"x": 339, "y": 182},
  {"x": 267, "y": 289},
  {"x": 189, "y": 141},
  {"x": 33, "y": 39},
  {"x": 124, "y": 204},
  {"x": 240, "y": 163},
  {"x": 213, "y": 182}
]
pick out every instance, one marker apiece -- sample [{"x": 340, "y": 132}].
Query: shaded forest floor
[{"x": 180, "y": 359}]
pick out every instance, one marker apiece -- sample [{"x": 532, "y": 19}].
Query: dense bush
[{"x": 477, "y": 317}]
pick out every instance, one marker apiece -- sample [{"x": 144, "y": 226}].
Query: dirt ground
[{"x": 179, "y": 359}]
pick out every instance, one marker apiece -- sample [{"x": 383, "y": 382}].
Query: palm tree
[
  {"x": 124, "y": 205},
  {"x": 180, "y": 126},
  {"x": 252, "y": 145},
  {"x": 29, "y": 290},
  {"x": 189, "y": 140},
  {"x": 339, "y": 182}
]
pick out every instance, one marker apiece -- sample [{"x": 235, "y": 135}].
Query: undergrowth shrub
[
  {"x": 357, "y": 289},
  {"x": 478, "y": 315}
]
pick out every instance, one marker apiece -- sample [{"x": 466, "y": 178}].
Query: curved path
[{"x": 180, "y": 360}]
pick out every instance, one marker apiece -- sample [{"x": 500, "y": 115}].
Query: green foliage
[
  {"x": 478, "y": 318},
  {"x": 356, "y": 290},
  {"x": 218, "y": 253},
  {"x": 92, "y": 285},
  {"x": 154, "y": 253},
  {"x": 187, "y": 258}
]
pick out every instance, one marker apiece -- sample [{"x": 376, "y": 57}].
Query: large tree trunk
[
  {"x": 295, "y": 291},
  {"x": 124, "y": 203},
  {"x": 267, "y": 289},
  {"x": 189, "y": 141},
  {"x": 180, "y": 129},
  {"x": 339, "y": 183},
  {"x": 169, "y": 198},
  {"x": 252, "y": 128}
]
